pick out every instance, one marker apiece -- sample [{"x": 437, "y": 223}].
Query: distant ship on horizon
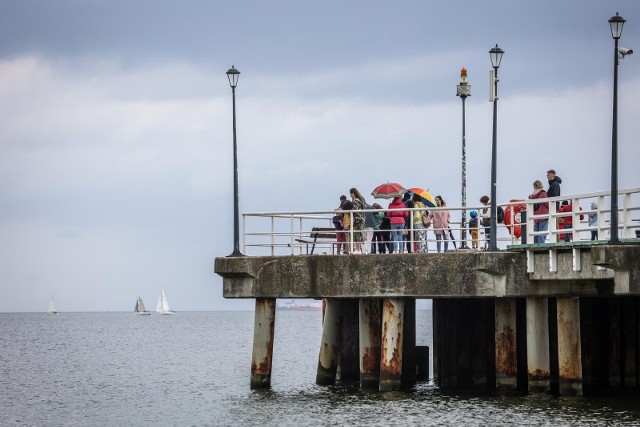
[{"x": 291, "y": 305}]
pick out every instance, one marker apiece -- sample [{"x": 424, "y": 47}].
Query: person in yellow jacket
[{"x": 419, "y": 230}]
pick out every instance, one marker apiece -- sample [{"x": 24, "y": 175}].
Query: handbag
[{"x": 426, "y": 220}]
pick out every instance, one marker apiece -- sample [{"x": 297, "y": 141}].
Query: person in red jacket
[
  {"x": 540, "y": 224},
  {"x": 567, "y": 207},
  {"x": 397, "y": 216}
]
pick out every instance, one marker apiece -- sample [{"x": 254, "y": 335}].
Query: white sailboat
[
  {"x": 163, "y": 305},
  {"x": 140, "y": 308},
  {"x": 52, "y": 307}
]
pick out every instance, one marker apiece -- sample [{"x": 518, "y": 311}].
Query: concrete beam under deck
[{"x": 604, "y": 270}]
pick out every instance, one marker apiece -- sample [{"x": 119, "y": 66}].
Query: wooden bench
[{"x": 326, "y": 235}]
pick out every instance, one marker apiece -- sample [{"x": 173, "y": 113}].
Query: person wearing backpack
[
  {"x": 378, "y": 240},
  {"x": 473, "y": 229}
]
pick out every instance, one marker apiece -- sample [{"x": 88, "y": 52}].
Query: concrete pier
[{"x": 559, "y": 318}]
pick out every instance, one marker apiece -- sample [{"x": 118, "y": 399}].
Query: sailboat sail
[
  {"x": 140, "y": 308},
  {"x": 52, "y": 307},
  {"x": 163, "y": 304}
]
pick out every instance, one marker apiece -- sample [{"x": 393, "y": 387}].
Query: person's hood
[{"x": 556, "y": 179}]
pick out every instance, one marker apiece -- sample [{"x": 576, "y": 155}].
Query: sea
[{"x": 193, "y": 369}]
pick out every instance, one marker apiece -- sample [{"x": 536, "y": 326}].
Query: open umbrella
[
  {"x": 388, "y": 191},
  {"x": 427, "y": 198}
]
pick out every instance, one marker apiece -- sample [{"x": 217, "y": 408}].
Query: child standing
[{"x": 473, "y": 229}]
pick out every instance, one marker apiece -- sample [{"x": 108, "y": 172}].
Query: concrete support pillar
[
  {"x": 569, "y": 346},
  {"x": 349, "y": 366},
  {"x": 506, "y": 347},
  {"x": 629, "y": 342},
  {"x": 370, "y": 316},
  {"x": 391, "y": 354},
  {"x": 409, "y": 368},
  {"x": 263, "y": 332},
  {"x": 615, "y": 343},
  {"x": 538, "y": 344},
  {"x": 330, "y": 345}
]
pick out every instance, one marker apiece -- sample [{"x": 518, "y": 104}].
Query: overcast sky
[{"x": 116, "y": 172}]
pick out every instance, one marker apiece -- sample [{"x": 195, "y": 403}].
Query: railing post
[
  {"x": 273, "y": 230},
  {"x": 523, "y": 226},
  {"x": 553, "y": 222}
]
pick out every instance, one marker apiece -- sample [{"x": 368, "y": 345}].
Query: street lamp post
[
  {"x": 616, "y": 23},
  {"x": 463, "y": 90},
  {"x": 233, "y": 76},
  {"x": 496, "y": 56}
]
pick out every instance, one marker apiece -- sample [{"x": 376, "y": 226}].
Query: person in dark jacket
[
  {"x": 554, "y": 184},
  {"x": 554, "y": 191}
]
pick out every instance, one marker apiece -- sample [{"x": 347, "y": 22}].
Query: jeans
[
  {"x": 594, "y": 234},
  {"x": 396, "y": 236},
  {"x": 540, "y": 226},
  {"x": 567, "y": 236},
  {"x": 444, "y": 237}
]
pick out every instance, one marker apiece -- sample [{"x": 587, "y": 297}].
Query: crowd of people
[
  {"x": 402, "y": 230},
  {"x": 394, "y": 231}
]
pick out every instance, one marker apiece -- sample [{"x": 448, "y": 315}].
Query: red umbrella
[{"x": 388, "y": 191}]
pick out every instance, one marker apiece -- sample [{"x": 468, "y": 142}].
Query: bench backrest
[{"x": 323, "y": 233}]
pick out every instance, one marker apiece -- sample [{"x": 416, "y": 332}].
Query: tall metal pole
[
  {"x": 616, "y": 23},
  {"x": 236, "y": 209},
  {"x": 494, "y": 153},
  {"x": 233, "y": 76},
  {"x": 463, "y": 90},
  {"x": 614, "y": 151}
]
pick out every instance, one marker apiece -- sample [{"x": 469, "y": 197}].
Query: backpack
[
  {"x": 500, "y": 214},
  {"x": 337, "y": 222}
]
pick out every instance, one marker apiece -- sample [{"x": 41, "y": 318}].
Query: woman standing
[
  {"x": 346, "y": 223},
  {"x": 397, "y": 216},
  {"x": 539, "y": 224},
  {"x": 420, "y": 231},
  {"x": 358, "y": 219},
  {"x": 485, "y": 219},
  {"x": 441, "y": 219}
]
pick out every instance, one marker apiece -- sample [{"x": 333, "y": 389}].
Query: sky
[{"x": 116, "y": 161}]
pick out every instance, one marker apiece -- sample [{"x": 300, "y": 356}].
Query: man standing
[
  {"x": 554, "y": 184},
  {"x": 554, "y": 191}
]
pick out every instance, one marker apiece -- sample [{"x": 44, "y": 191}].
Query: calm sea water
[{"x": 117, "y": 369}]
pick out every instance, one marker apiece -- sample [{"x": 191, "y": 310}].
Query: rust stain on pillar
[
  {"x": 569, "y": 346},
  {"x": 263, "y": 332},
  {"x": 369, "y": 331},
  {"x": 391, "y": 357},
  {"x": 506, "y": 351}
]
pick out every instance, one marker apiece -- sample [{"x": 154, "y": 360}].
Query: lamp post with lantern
[
  {"x": 496, "y": 56},
  {"x": 463, "y": 90},
  {"x": 616, "y": 23},
  {"x": 233, "y": 76}
]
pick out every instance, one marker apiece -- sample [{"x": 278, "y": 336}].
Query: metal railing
[{"x": 289, "y": 233}]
